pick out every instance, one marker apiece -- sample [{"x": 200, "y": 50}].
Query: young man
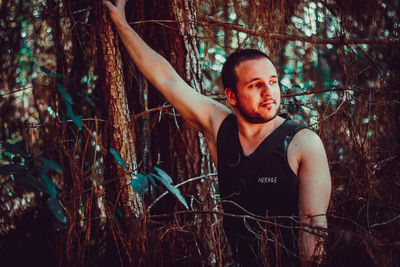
[{"x": 268, "y": 165}]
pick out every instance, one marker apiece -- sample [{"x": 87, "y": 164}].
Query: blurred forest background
[{"x": 96, "y": 168}]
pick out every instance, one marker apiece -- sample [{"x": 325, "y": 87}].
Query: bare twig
[
  {"x": 301, "y": 226},
  {"x": 387, "y": 222},
  {"x": 222, "y": 98},
  {"x": 285, "y": 37},
  {"x": 276, "y": 36},
  {"x": 178, "y": 185},
  {"x": 22, "y": 89}
]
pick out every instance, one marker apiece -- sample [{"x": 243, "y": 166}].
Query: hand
[{"x": 117, "y": 12}]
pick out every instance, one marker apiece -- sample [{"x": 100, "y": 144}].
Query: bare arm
[
  {"x": 200, "y": 111},
  {"x": 314, "y": 193}
]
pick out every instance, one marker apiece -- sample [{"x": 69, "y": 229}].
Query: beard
[{"x": 255, "y": 117}]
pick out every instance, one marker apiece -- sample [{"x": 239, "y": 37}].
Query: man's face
[{"x": 258, "y": 94}]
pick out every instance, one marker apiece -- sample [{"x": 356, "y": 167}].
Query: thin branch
[
  {"x": 222, "y": 98},
  {"x": 178, "y": 185},
  {"x": 300, "y": 226},
  {"x": 387, "y": 222},
  {"x": 316, "y": 92},
  {"x": 150, "y": 111},
  {"x": 22, "y": 89},
  {"x": 285, "y": 37},
  {"x": 276, "y": 36}
]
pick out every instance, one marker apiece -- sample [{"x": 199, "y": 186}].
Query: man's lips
[{"x": 267, "y": 103}]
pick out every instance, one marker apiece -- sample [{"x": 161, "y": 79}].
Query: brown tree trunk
[
  {"x": 176, "y": 147},
  {"x": 185, "y": 14},
  {"x": 119, "y": 123}
]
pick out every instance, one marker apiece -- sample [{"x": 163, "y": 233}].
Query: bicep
[
  {"x": 200, "y": 111},
  {"x": 314, "y": 179}
]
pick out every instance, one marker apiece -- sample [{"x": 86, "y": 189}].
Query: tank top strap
[
  {"x": 290, "y": 130},
  {"x": 228, "y": 148}
]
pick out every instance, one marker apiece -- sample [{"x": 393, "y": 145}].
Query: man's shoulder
[
  {"x": 307, "y": 136},
  {"x": 227, "y": 118},
  {"x": 288, "y": 127},
  {"x": 307, "y": 141},
  {"x": 217, "y": 114}
]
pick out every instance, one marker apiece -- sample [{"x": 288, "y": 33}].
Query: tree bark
[
  {"x": 119, "y": 123},
  {"x": 185, "y": 13}
]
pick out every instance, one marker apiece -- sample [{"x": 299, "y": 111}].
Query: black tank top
[{"x": 264, "y": 184}]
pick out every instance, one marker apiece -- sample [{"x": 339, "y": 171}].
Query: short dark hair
[{"x": 228, "y": 75}]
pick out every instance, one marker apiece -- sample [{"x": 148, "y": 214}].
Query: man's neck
[
  {"x": 249, "y": 130},
  {"x": 252, "y": 134}
]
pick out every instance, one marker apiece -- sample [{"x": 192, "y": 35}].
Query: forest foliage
[{"x": 79, "y": 187}]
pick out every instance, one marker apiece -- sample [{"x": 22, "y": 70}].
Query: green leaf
[
  {"x": 51, "y": 165},
  {"x": 85, "y": 79},
  {"x": 140, "y": 184},
  {"x": 59, "y": 75},
  {"x": 166, "y": 180},
  {"x": 57, "y": 210},
  {"x": 119, "y": 212},
  {"x": 47, "y": 71},
  {"x": 90, "y": 101},
  {"x": 153, "y": 182},
  {"x": 9, "y": 155},
  {"x": 163, "y": 174},
  {"x": 76, "y": 119},
  {"x": 118, "y": 158},
  {"x": 67, "y": 97},
  {"x": 60, "y": 226},
  {"x": 82, "y": 208},
  {"x": 49, "y": 186},
  {"x": 70, "y": 111}
]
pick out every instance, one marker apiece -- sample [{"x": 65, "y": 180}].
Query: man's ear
[{"x": 231, "y": 96}]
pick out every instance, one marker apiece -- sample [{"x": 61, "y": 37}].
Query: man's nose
[{"x": 266, "y": 91}]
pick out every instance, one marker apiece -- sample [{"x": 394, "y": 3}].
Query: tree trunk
[
  {"x": 175, "y": 146},
  {"x": 185, "y": 13},
  {"x": 119, "y": 123}
]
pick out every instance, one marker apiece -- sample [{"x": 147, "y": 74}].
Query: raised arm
[
  {"x": 200, "y": 111},
  {"x": 314, "y": 193}
]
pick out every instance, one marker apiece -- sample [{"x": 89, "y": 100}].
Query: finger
[
  {"x": 108, "y": 4},
  {"x": 120, "y": 3}
]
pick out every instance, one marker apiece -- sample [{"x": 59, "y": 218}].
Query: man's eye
[
  {"x": 256, "y": 85},
  {"x": 273, "y": 82}
]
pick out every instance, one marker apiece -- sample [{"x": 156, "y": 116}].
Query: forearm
[
  {"x": 159, "y": 72},
  {"x": 311, "y": 239},
  {"x": 151, "y": 64},
  {"x": 201, "y": 112}
]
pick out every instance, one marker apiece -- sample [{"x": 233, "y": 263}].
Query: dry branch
[
  {"x": 285, "y": 37},
  {"x": 274, "y": 36},
  {"x": 221, "y": 98}
]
